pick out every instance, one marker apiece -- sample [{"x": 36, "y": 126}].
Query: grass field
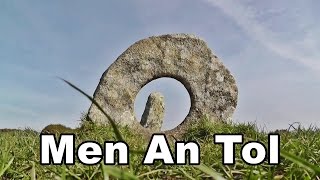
[
  {"x": 300, "y": 154},
  {"x": 19, "y": 156}
]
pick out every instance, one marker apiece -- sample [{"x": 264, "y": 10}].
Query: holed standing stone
[{"x": 186, "y": 58}]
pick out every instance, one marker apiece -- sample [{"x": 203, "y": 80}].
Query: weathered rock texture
[
  {"x": 186, "y": 58},
  {"x": 153, "y": 114}
]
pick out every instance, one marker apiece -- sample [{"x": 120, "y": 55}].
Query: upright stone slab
[
  {"x": 186, "y": 58},
  {"x": 153, "y": 114}
]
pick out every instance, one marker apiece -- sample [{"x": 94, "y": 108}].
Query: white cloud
[{"x": 305, "y": 51}]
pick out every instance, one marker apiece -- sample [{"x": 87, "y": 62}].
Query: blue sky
[{"x": 271, "y": 47}]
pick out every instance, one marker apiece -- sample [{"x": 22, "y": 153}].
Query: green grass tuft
[{"x": 56, "y": 129}]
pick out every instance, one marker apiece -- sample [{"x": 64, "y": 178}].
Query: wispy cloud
[{"x": 304, "y": 50}]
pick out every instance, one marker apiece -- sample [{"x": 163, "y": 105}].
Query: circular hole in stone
[{"x": 176, "y": 100}]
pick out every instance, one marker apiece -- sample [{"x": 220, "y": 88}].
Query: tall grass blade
[
  {"x": 186, "y": 174},
  {"x": 111, "y": 121},
  {"x": 119, "y": 173},
  {"x": 64, "y": 173},
  {"x": 152, "y": 172},
  {"x": 6, "y": 167},
  {"x": 301, "y": 162},
  {"x": 209, "y": 172},
  {"x": 104, "y": 172},
  {"x": 33, "y": 171},
  {"x": 137, "y": 152}
]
